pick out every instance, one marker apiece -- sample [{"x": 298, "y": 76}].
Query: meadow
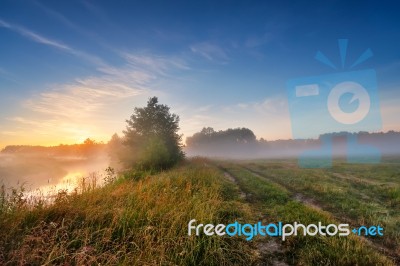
[
  {"x": 141, "y": 218},
  {"x": 356, "y": 194},
  {"x": 138, "y": 219}
]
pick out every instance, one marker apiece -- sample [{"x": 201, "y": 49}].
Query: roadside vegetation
[{"x": 129, "y": 222}]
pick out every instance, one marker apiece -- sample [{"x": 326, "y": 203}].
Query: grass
[
  {"x": 360, "y": 194},
  {"x": 141, "y": 218},
  {"x": 276, "y": 203},
  {"x": 128, "y": 222}
]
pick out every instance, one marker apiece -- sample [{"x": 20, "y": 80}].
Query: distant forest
[
  {"x": 230, "y": 143},
  {"x": 89, "y": 148},
  {"x": 242, "y": 143}
]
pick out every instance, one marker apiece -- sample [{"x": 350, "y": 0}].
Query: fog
[
  {"x": 46, "y": 173},
  {"x": 48, "y": 169},
  {"x": 241, "y": 143}
]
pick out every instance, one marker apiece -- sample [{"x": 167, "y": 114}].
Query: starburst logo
[{"x": 343, "y": 43}]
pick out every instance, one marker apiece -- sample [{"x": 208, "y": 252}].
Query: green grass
[
  {"x": 360, "y": 194},
  {"x": 141, "y": 218},
  {"x": 277, "y": 204},
  {"x": 129, "y": 222}
]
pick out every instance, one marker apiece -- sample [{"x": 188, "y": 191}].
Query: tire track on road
[
  {"x": 269, "y": 251},
  {"x": 312, "y": 203}
]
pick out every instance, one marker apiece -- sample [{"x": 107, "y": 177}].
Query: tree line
[{"x": 151, "y": 140}]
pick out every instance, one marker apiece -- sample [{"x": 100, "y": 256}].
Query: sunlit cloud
[
  {"x": 204, "y": 108},
  {"x": 83, "y": 97},
  {"x": 89, "y": 106},
  {"x": 11, "y": 133}
]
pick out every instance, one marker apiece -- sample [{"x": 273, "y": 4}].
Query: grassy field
[
  {"x": 143, "y": 219},
  {"x": 129, "y": 222},
  {"x": 354, "y": 193},
  {"x": 342, "y": 194}
]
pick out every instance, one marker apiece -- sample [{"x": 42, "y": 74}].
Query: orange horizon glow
[{"x": 74, "y": 128}]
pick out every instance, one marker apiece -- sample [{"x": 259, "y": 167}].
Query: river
[{"x": 43, "y": 175}]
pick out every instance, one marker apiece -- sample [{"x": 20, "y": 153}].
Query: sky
[{"x": 71, "y": 70}]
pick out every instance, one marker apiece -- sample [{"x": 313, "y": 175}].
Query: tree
[
  {"x": 152, "y": 137},
  {"x": 116, "y": 151},
  {"x": 234, "y": 142},
  {"x": 89, "y": 148}
]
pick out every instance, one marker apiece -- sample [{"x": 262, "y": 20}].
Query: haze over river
[{"x": 47, "y": 174}]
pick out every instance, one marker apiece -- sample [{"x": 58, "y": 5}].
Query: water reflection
[
  {"x": 68, "y": 183},
  {"x": 45, "y": 176}
]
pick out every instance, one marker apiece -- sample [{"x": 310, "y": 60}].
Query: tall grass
[
  {"x": 360, "y": 194},
  {"x": 128, "y": 222},
  {"x": 277, "y": 204}
]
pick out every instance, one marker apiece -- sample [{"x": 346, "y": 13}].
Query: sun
[{"x": 81, "y": 139}]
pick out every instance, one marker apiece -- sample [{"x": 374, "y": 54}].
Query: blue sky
[{"x": 76, "y": 69}]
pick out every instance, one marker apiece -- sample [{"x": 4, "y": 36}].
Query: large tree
[{"x": 152, "y": 137}]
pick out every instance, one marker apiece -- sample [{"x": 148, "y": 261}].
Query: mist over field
[
  {"x": 53, "y": 168},
  {"x": 241, "y": 143},
  {"x": 46, "y": 170}
]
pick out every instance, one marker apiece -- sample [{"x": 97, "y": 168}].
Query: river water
[{"x": 40, "y": 175}]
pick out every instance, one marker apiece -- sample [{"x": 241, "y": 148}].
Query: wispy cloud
[
  {"x": 155, "y": 64},
  {"x": 88, "y": 95},
  {"x": 35, "y": 37},
  {"x": 46, "y": 130},
  {"x": 269, "y": 106},
  {"x": 11, "y": 133},
  {"x": 69, "y": 23},
  {"x": 60, "y": 17},
  {"x": 79, "y": 107},
  {"x": 210, "y": 51},
  {"x": 273, "y": 105},
  {"x": 255, "y": 41},
  {"x": 81, "y": 98},
  {"x": 7, "y": 75},
  {"x": 268, "y": 118}
]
